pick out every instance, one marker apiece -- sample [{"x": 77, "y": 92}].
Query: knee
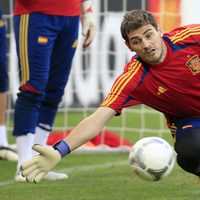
[
  {"x": 53, "y": 98},
  {"x": 30, "y": 93},
  {"x": 51, "y": 103},
  {"x": 189, "y": 164}
]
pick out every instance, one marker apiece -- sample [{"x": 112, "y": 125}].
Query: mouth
[{"x": 150, "y": 52}]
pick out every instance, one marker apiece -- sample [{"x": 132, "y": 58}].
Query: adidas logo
[{"x": 161, "y": 90}]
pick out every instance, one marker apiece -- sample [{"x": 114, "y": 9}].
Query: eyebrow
[
  {"x": 136, "y": 37},
  {"x": 147, "y": 31}
]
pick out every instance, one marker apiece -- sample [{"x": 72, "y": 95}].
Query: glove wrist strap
[{"x": 62, "y": 147}]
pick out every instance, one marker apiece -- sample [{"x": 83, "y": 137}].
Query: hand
[
  {"x": 37, "y": 167},
  {"x": 88, "y": 23}
]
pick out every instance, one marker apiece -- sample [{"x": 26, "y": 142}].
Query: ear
[
  {"x": 160, "y": 31},
  {"x": 128, "y": 45}
]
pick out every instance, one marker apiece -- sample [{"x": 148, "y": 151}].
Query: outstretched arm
[
  {"x": 89, "y": 127},
  {"x": 48, "y": 157}
]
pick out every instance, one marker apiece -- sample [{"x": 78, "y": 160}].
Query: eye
[
  {"x": 148, "y": 35},
  {"x": 135, "y": 42}
]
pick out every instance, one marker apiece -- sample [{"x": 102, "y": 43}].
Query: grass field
[{"x": 99, "y": 177}]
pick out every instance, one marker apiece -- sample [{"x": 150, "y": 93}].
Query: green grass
[{"x": 99, "y": 177}]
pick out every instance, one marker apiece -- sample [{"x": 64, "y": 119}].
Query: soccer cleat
[
  {"x": 50, "y": 176},
  {"x": 13, "y": 146},
  {"x": 8, "y": 153}
]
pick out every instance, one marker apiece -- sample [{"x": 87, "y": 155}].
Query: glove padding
[
  {"x": 88, "y": 24},
  {"x": 37, "y": 167}
]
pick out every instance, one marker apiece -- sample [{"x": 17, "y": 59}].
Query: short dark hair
[{"x": 135, "y": 19}]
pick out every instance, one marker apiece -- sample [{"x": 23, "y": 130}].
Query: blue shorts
[
  {"x": 3, "y": 59},
  {"x": 185, "y": 124}
]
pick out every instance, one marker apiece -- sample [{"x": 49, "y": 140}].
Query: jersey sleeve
[
  {"x": 121, "y": 93},
  {"x": 185, "y": 34}
]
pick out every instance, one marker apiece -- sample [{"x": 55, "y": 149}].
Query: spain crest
[{"x": 194, "y": 64}]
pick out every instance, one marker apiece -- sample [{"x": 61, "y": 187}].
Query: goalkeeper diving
[{"x": 163, "y": 74}]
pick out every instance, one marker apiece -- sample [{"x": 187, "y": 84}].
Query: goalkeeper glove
[
  {"x": 37, "y": 167},
  {"x": 88, "y": 23}
]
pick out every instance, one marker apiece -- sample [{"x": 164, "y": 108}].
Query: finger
[
  {"x": 85, "y": 31},
  {"x": 39, "y": 176},
  {"x": 31, "y": 176},
  {"x": 88, "y": 39},
  {"x": 43, "y": 150},
  {"x": 29, "y": 170},
  {"x": 29, "y": 163},
  {"x": 85, "y": 28}
]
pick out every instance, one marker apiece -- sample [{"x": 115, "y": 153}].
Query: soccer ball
[{"x": 152, "y": 158}]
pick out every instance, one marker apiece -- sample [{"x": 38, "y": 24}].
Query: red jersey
[
  {"x": 50, "y": 7},
  {"x": 171, "y": 87}
]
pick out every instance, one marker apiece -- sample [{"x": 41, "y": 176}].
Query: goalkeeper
[
  {"x": 46, "y": 34},
  {"x": 164, "y": 74}
]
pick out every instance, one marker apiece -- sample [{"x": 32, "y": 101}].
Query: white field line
[
  {"x": 93, "y": 167},
  {"x": 83, "y": 168},
  {"x": 8, "y": 182}
]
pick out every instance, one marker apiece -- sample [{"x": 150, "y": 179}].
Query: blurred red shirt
[{"x": 50, "y": 7}]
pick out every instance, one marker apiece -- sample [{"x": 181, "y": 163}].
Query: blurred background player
[
  {"x": 46, "y": 35},
  {"x": 165, "y": 70},
  {"x": 7, "y": 152}
]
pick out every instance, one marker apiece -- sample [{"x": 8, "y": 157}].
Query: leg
[
  {"x": 34, "y": 50},
  {"x": 60, "y": 69},
  {"x": 189, "y": 164},
  {"x": 35, "y": 35},
  {"x": 188, "y": 150},
  {"x": 3, "y": 85},
  {"x": 6, "y": 152},
  {"x": 3, "y": 107}
]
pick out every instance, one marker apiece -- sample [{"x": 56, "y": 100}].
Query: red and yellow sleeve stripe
[
  {"x": 121, "y": 83},
  {"x": 190, "y": 31}
]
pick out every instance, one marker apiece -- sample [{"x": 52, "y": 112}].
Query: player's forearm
[
  {"x": 83, "y": 132},
  {"x": 89, "y": 127}
]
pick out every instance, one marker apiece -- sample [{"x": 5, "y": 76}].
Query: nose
[{"x": 145, "y": 43}]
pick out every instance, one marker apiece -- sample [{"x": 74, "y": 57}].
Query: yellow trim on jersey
[
  {"x": 23, "y": 48},
  {"x": 121, "y": 83},
  {"x": 185, "y": 33},
  {"x": 1, "y": 23}
]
